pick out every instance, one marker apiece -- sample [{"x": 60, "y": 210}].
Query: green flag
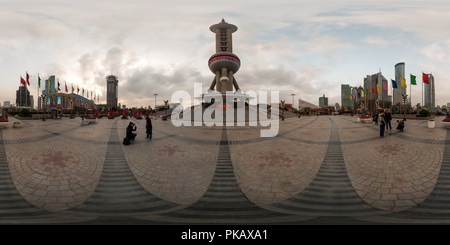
[
  {"x": 413, "y": 80},
  {"x": 39, "y": 81}
]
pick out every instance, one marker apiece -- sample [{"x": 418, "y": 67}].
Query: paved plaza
[{"x": 318, "y": 170}]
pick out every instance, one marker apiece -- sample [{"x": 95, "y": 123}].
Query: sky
[{"x": 302, "y": 48}]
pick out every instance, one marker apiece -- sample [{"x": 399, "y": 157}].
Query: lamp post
[
  {"x": 155, "y": 104},
  {"x": 282, "y": 110},
  {"x": 165, "y": 108},
  {"x": 292, "y": 101},
  {"x": 404, "y": 106},
  {"x": 43, "y": 107}
]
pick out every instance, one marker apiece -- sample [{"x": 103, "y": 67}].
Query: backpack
[{"x": 126, "y": 141}]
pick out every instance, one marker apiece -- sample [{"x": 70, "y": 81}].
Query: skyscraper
[
  {"x": 112, "y": 91},
  {"x": 23, "y": 97},
  {"x": 399, "y": 91},
  {"x": 323, "y": 101},
  {"x": 346, "y": 103},
  {"x": 429, "y": 93}
]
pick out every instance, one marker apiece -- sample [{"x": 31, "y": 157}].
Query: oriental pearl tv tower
[{"x": 224, "y": 64}]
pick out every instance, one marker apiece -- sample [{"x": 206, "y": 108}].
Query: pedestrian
[
  {"x": 401, "y": 125},
  {"x": 148, "y": 126},
  {"x": 388, "y": 117},
  {"x": 6, "y": 115},
  {"x": 382, "y": 122},
  {"x": 130, "y": 135},
  {"x": 376, "y": 118}
]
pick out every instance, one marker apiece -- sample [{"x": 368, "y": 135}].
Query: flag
[
  {"x": 359, "y": 94},
  {"x": 67, "y": 91},
  {"x": 362, "y": 93},
  {"x": 73, "y": 89},
  {"x": 351, "y": 97},
  {"x": 373, "y": 90},
  {"x": 367, "y": 91},
  {"x": 23, "y": 81},
  {"x": 413, "y": 80},
  {"x": 78, "y": 90},
  {"x": 28, "y": 79},
  {"x": 49, "y": 85},
  {"x": 378, "y": 88},
  {"x": 39, "y": 81},
  {"x": 385, "y": 86},
  {"x": 394, "y": 84},
  {"x": 403, "y": 82},
  {"x": 425, "y": 78}
]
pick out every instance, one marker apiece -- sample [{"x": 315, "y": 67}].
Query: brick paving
[{"x": 317, "y": 169}]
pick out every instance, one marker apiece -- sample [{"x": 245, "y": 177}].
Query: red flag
[
  {"x": 425, "y": 78},
  {"x": 28, "y": 79},
  {"x": 23, "y": 81},
  {"x": 67, "y": 91},
  {"x": 373, "y": 90}
]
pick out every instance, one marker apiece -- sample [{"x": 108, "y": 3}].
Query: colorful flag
[
  {"x": 65, "y": 83},
  {"x": 425, "y": 78},
  {"x": 58, "y": 86},
  {"x": 373, "y": 90},
  {"x": 78, "y": 90},
  {"x": 28, "y": 79},
  {"x": 351, "y": 97},
  {"x": 39, "y": 81},
  {"x": 394, "y": 84},
  {"x": 385, "y": 86},
  {"x": 403, "y": 82},
  {"x": 49, "y": 90},
  {"x": 378, "y": 88},
  {"x": 359, "y": 94},
  {"x": 413, "y": 80},
  {"x": 367, "y": 91},
  {"x": 73, "y": 89},
  {"x": 362, "y": 93},
  {"x": 23, "y": 81}
]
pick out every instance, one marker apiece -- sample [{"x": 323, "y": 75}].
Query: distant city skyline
[{"x": 306, "y": 48}]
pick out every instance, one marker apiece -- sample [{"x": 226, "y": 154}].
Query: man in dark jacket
[
  {"x": 388, "y": 117},
  {"x": 131, "y": 127}
]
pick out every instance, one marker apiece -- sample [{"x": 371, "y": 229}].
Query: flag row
[{"x": 26, "y": 82}]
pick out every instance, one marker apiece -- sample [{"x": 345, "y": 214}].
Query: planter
[
  {"x": 358, "y": 119},
  {"x": 18, "y": 125},
  {"x": 368, "y": 120},
  {"x": 91, "y": 120},
  {"x": 4, "y": 124},
  {"x": 446, "y": 125},
  {"x": 431, "y": 123},
  {"x": 84, "y": 122}
]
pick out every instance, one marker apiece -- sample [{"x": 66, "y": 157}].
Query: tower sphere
[{"x": 224, "y": 60}]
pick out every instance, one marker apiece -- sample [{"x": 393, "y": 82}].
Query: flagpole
[
  {"x": 410, "y": 91},
  {"x": 422, "y": 88}
]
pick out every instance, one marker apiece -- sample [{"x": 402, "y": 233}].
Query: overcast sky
[{"x": 307, "y": 48}]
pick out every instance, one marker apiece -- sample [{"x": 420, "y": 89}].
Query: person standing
[
  {"x": 382, "y": 123},
  {"x": 388, "y": 116},
  {"x": 148, "y": 126}
]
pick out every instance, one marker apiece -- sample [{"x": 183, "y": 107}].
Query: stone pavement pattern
[{"x": 317, "y": 168}]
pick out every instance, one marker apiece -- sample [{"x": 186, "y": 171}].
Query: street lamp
[
  {"x": 404, "y": 106},
  {"x": 282, "y": 110},
  {"x": 292, "y": 101},
  {"x": 155, "y": 104}
]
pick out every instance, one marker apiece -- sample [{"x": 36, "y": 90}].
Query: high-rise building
[
  {"x": 399, "y": 91},
  {"x": 429, "y": 93},
  {"x": 346, "y": 103},
  {"x": 49, "y": 85},
  {"x": 375, "y": 91},
  {"x": 112, "y": 91},
  {"x": 23, "y": 97},
  {"x": 323, "y": 101}
]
